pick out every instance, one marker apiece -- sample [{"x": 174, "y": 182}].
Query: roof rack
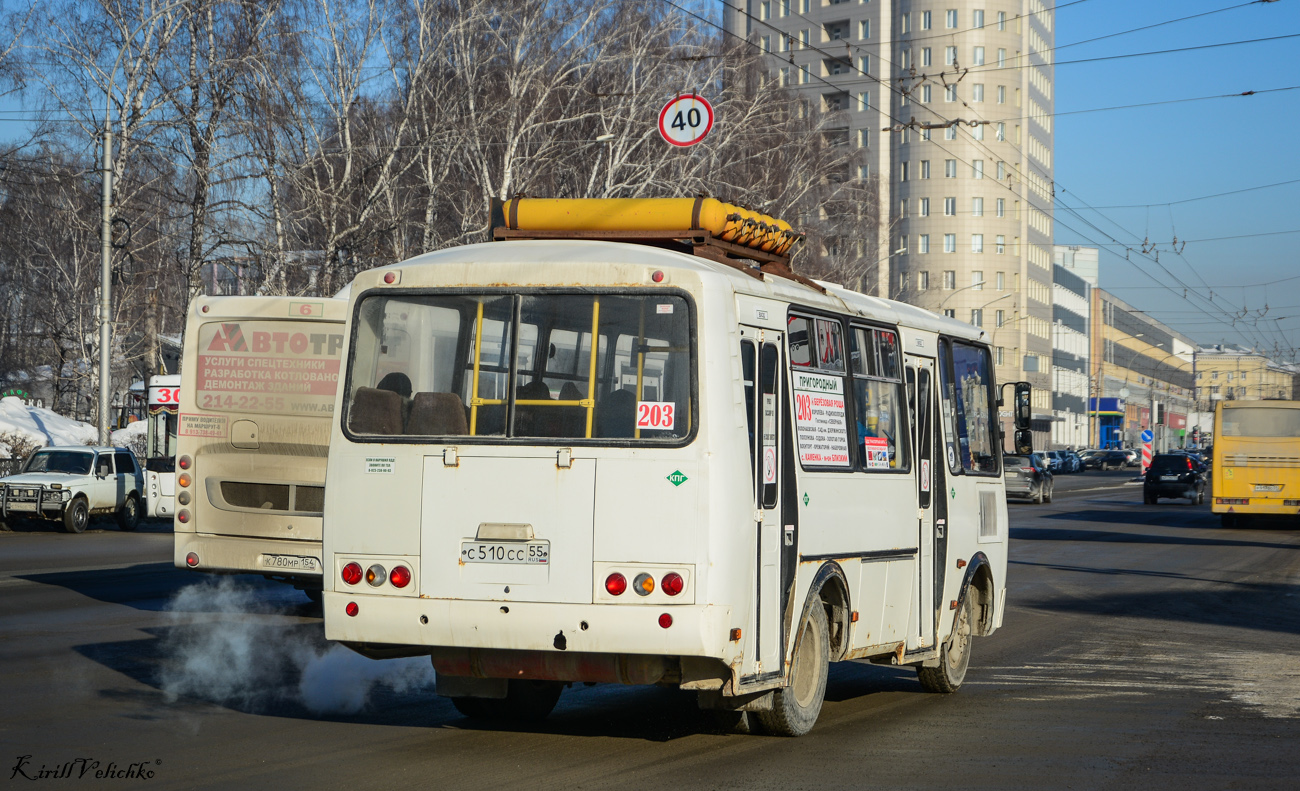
[{"x": 747, "y": 241}]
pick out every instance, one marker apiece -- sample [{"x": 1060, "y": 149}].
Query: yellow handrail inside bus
[
  {"x": 474, "y": 400},
  {"x": 591, "y": 373}
]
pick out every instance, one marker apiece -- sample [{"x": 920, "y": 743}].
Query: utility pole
[{"x": 105, "y": 287}]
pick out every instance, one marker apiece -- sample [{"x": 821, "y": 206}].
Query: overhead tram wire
[{"x": 1173, "y": 290}]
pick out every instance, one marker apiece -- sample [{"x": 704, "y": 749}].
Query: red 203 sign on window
[{"x": 655, "y": 414}]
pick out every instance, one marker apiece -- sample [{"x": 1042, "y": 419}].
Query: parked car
[
  {"x": 1174, "y": 475},
  {"x": 1085, "y": 455},
  {"x": 1028, "y": 477},
  {"x": 1072, "y": 462},
  {"x": 70, "y": 484},
  {"x": 1107, "y": 460},
  {"x": 1133, "y": 456},
  {"x": 1053, "y": 459}
]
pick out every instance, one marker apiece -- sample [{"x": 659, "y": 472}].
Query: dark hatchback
[
  {"x": 1174, "y": 475},
  {"x": 1107, "y": 460}
]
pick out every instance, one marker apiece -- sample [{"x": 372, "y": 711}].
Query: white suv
[{"x": 72, "y": 483}]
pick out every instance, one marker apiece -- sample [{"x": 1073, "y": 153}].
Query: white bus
[
  {"x": 163, "y": 406},
  {"x": 635, "y": 465},
  {"x": 257, "y": 397}
]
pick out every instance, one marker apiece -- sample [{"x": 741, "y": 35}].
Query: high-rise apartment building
[{"x": 950, "y": 102}]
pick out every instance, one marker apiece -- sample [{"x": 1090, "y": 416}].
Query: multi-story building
[
  {"x": 1227, "y": 372},
  {"x": 1074, "y": 276},
  {"x": 950, "y": 104},
  {"x": 1142, "y": 376}
]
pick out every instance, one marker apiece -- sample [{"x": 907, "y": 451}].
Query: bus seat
[
  {"x": 376, "y": 411},
  {"x": 437, "y": 414},
  {"x": 573, "y": 419},
  {"x": 534, "y": 421},
  {"x": 616, "y": 415}
]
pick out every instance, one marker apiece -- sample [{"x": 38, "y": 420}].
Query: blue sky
[{"x": 1173, "y": 152}]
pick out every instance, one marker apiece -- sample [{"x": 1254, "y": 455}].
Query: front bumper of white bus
[
  {"x": 236, "y": 555},
  {"x": 695, "y": 630}
]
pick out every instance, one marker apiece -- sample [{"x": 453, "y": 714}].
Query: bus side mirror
[
  {"x": 1024, "y": 442},
  {"x": 1023, "y": 413}
]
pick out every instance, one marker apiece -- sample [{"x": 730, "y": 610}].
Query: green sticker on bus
[{"x": 677, "y": 478}]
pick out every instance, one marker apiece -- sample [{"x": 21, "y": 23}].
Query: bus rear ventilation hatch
[{"x": 749, "y": 241}]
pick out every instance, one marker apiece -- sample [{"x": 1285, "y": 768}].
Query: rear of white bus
[
  {"x": 503, "y": 499},
  {"x": 259, "y": 377}
]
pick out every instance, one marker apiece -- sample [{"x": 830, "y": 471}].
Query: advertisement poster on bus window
[
  {"x": 877, "y": 452},
  {"x": 269, "y": 367},
  {"x": 819, "y": 420}
]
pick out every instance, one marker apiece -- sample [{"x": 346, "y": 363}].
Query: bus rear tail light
[
  {"x": 400, "y": 576},
  {"x": 183, "y": 516},
  {"x": 615, "y": 584},
  {"x": 644, "y": 584},
  {"x": 1231, "y": 501},
  {"x": 192, "y": 559},
  {"x": 665, "y": 620},
  {"x": 184, "y": 480},
  {"x": 375, "y": 575},
  {"x": 352, "y": 609},
  {"x": 352, "y": 573},
  {"x": 184, "y": 462},
  {"x": 672, "y": 583}
]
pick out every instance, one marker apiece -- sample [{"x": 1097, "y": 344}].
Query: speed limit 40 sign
[{"x": 685, "y": 120}]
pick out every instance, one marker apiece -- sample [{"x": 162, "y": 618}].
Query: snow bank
[
  {"x": 134, "y": 436},
  {"x": 40, "y": 426}
]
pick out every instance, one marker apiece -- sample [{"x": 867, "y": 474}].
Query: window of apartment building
[
  {"x": 902, "y": 209},
  {"x": 906, "y": 26},
  {"x": 950, "y": 93},
  {"x": 785, "y": 76},
  {"x": 902, "y": 170},
  {"x": 977, "y": 132},
  {"x": 950, "y": 18},
  {"x": 864, "y": 101},
  {"x": 902, "y": 243},
  {"x": 1199, "y": 374},
  {"x": 864, "y": 171},
  {"x": 949, "y": 56},
  {"x": 922, "y": 281},
  {"x": 925, "y": 57},
  {"x": 784, "y": 43},
  {"x": 949, "y": 246},
  {"x": 836, "y": 31},
  {"x": 977, "y": 18},
  {"x": 977, "y": 243},
  {"x": 1229, "y": 376},
  {"x": 1001, "y": 354},
  {"x": 977, "y": 207},
  {"x": 1031, "y": 362},
  {"x": 950, "y": 132},
  {"x": 805, "y": 76},
  {"x": 999, "y": 318},
  {"x": 925, "y": 168},
  {"x": 925, "y": 94},
  {"x": 923, "y": 207},
  {"x": 1001, "y": 280},
  {"x": 805, "y": 6},
  {"x": 977, "y": 168},
  {"x": 977, "y": 281},
  {"x": 1002, "y": 25},
  {"x": 1000, "y": 245},
  {"x": 907, "y": 59},
  {"x": 785, "y": 7},
  {"x": 950, "y": 313},
  {"x": 765, "y": 10},
  {"x": 1002, "y": 58},
  {"x": 925, "y": 134},
  {"x": 950, "y": 168},
  {"x": 923, "y": 243},
  {"x": 804, "y": 38},
  {"x": 1002, "y": 170},
  {"x": 1214, "y": 374},
  {"x": 1002, "y": 132},
  {"x": 766, "y": 43},
  {"x": 1214, "y": 390},
  {"x": 979, "y": 56},
  {"x": 902, "y": 281},
  {"x": 1002, "y": 207},
  {"x": 950, "y": 207},
  {"x": 977, "y": 317},
  {"x": 977, "y": 94},
  {"x": 863, "y": 140},
  {"x": 925, "y": 20},
  {"x": 1002, "y": 94},
  {"x": 864, "y": 29}
]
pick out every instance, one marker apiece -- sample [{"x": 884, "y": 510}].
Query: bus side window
[
  {"x": 968, "y": 402},
  {"x": 878, "y": 402},
  {"x": 748, "y": 373}
]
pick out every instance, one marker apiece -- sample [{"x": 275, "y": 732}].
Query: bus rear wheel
[
  {"x": 795, "y": 708},
  {"x": 954, "y": 658},
  {"x": 525, "y": 701}
]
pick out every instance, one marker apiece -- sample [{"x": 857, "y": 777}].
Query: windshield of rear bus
[
  {"x": 521, "y": 365},
  {"x": 1261, "y": 422}
]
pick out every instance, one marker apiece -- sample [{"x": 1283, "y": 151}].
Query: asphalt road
[{"x": 1143, "y": 647}]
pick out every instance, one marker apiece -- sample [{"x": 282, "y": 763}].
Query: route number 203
[{"x": 656, "y": 415}]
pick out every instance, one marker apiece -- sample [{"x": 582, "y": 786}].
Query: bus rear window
[
  {"x": 522, "y": 366},
  {"x": 1261, "y": 422}
]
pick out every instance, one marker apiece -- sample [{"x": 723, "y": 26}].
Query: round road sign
[{"x": 685, "y": 120}]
